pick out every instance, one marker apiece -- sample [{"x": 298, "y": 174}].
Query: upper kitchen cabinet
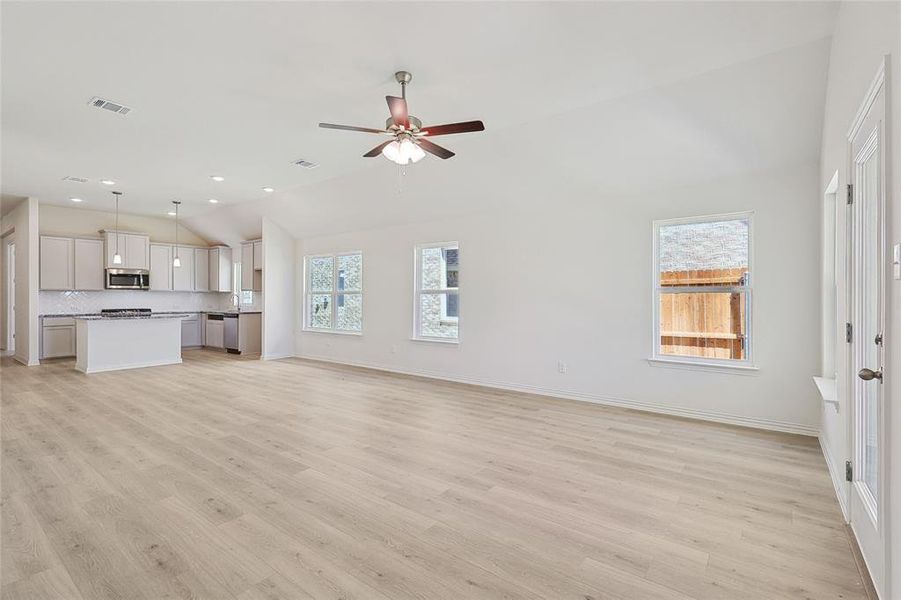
[
  {"x": 220, "y": 269},
  {"x": 201, "y": 270},
  {"x": 88, "y": 264},
  {"x": 252, "y": 266},
  {"x": 183, "y": 276},
  {"x": 133, "y": 247},
  {"x": 247, "y": 267},
  {"x": 258, "y": 255},
  {"x": 161, "y": 267},
  {"x": 57, "y": 265},
  {"x": 71, "y": 264}
]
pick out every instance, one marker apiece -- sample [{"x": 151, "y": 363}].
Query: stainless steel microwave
[{"x": 127, "y": 279}]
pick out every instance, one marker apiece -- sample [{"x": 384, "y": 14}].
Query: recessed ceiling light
[
  {"x": 213, "y": 201},
  {"x": 75, "y": 199},
  {"x": 217, "y": 177},
  {"x": 268, "y": 189},
  {"x": 107, "y": 182},
  {"x": 171, "y": 213}
]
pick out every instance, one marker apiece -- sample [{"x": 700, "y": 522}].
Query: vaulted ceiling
[{"x": 617, "y": 97}]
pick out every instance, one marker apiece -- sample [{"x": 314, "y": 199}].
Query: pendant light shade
[
  {"x": 117, "y": 258},
  {"x": 176, "y": 261}
]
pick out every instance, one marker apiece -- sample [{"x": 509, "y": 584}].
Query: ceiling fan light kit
[{"x": 408, "y": 143}]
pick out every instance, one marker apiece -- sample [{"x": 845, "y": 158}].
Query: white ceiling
[{"x": 613, "y": 96}]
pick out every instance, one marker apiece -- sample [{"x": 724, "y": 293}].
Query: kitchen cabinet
[
  {"x": 137, "y": 251},
  {"x": 71, "y": 264},
  {"x": 88, "y": 264},
  {"x": 57, "y": 266},
  {"x": 57, "y": 337},
  {"x": 247, "y": 267},
  {"x": 191, "y": 332},
  {"x": 183, "y": 276},
  {"x": 201, "y": 269},
  {"x": 215, "y": 331},
  {"x": 221, "y": 269},
  {"x": 250, "y": 333},
  {"x": 161, "y": 267},
  {"x": 258, "y": 255},
  {"x": 133, "y": 247}
]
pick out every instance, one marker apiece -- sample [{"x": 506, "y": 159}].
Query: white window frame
[
  {"x": 308, "y": 293},
  {"x": 418, "y": 291},
  {"x": 746, "y": 365}
]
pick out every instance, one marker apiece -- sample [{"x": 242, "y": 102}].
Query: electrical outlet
[
  {"x": 561, "y": 367},
  {"x": 393, "y": 348}
]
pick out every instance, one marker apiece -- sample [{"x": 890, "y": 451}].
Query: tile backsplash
[{"x": 62, "y": 303}]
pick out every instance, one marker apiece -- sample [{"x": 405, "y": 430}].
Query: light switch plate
[{"x": 896, "y": 261}]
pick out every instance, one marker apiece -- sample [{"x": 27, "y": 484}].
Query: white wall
[
  {"x": 279, "y": 291},
  {"x": 865, "y": 32},
  {"x": 572, "y": 282},
  {"x": 62, "y": 220},
  {"x": 23, "y": 221}
]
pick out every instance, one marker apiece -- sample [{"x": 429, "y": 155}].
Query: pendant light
[
  {"x": 117, "y": 258},
  {"x": 176, "y": 262}
]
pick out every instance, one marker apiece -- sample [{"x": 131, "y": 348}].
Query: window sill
[
  {"x": 828, "y": 391},
  {"x": 436, "y": 340},
  {"x": 693, "y": 365},
  {"x": 332, "y": 331}
]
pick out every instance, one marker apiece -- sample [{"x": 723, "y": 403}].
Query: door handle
[{"x": 868, "y": 374}]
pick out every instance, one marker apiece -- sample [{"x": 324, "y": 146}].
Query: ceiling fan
[{"x": 408, "y": 141}]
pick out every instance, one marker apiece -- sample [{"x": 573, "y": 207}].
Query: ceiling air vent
[
  {"x": 75, "y": 179},
  {"x": 306, "y": 164},
  {"x": 98, "y": 102}
]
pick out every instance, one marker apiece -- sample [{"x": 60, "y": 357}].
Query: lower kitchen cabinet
[
  {"x": 57, "y": 337},
  {"x": 215, "y": 331},
  {"x": 191, "y": 333},
  {"x": 250, "y": 333}
]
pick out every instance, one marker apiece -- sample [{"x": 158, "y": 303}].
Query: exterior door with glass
[{"x": 868, "y": 276}]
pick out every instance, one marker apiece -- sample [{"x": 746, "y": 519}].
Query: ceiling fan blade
[
  {"x": 377, "y": 150},
  {"x": 434, "y": 149},
  {"x": 351, "y": 128},
  {"x": 398, "y": 108},
  {"x": 464, "y": 127}
]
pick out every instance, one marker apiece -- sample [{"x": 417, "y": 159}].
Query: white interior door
[{"x": 868, "y": 273}]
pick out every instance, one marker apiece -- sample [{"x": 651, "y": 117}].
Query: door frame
[
  {"x": 10, "y": 308},
  {"x": 877, "y": 89}
]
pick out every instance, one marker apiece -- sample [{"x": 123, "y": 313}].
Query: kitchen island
[{"x": 111, "y": 343}]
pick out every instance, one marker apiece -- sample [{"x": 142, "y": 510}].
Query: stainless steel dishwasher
[{"x": 231, "y": 332}]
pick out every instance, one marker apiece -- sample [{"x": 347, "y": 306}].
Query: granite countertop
[
  {"x": 156, "y": 314},
  {"x": 161, "y": 313},
  {"x": 133, "y": 317}
]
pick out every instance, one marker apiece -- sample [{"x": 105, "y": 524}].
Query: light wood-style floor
[{"x": 235, "y": 479}]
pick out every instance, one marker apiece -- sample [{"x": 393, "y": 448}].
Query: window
[
  {"x": 334, "y": 293},
  {"x": 244, "y": 296},
  {"x": 437, "y": 302},
  {"x": 702, "y": 289}
]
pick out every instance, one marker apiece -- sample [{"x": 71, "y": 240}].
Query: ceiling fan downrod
[{"x": 403, "y": 78}]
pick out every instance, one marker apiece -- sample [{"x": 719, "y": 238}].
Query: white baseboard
[
  {"x": 838, "y": 478},
  {"x": 277, "y": 356},
  {"x": 25, "y": 360},
  {"x": 716, "y": 417},
  {"x": 131, "y": 366}
]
